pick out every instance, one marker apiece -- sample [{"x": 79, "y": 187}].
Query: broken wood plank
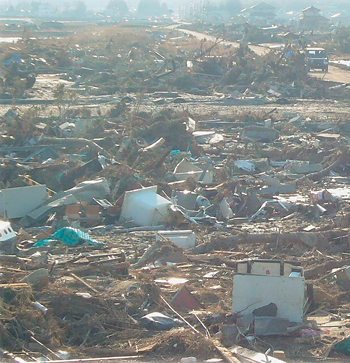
[
  {"x": 15, "y": 285},
  {"x": 340, "y": 158},
  {"x": 155, "y": 145},
  {"x": 95, "y": 360},
  {"x": 5, "y": 337},
  {"x": 116, "y": 265},
  {"x": 101, "y": 255},
  {"x": 13, "y": 259},
  {"x": 75, "y": 142},
  {"x": 12, "y": 270},
  {"x": 324, "y": 268},
  {"x": 180, "y": 316},
  {"x": 225, "y": 353},
  {"x": 83, "y": 282},
  {"x": 254, "y": 356},
  {"x": 45, "y": 347}
]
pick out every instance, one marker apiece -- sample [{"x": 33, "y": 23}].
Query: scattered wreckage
[
  {"x": 160, "y": 230},
  {"x": 161, "y": 257}
]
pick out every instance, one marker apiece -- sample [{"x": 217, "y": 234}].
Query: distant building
[
  {"x": 261, "y": 14},
  {"x": 289, "y": 18},
  {"x": 311, "y": 19}
]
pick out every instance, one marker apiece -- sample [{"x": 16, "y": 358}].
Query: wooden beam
[
  {"x": 225, "y": 353},
  {"x": 94, "y": 360},
  {"x": 254, "y": 356},
  {"x": 83, "y": 282}
]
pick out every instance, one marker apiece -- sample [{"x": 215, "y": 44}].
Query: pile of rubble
[
  {"x": 147, "y": 228},
  {"x": 121, "y": 59}
]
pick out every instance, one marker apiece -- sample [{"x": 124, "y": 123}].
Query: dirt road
[
  {"x": 256, "y": 48},
  {"x": 335, "y": 74}
]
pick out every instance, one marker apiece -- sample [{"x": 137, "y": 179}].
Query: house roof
[
  {"x": 311, "y": 8},
  {"x": 319, "y": 19},
  {"x": 262, "y": 5},
  {"x": 269, "y": 14}
]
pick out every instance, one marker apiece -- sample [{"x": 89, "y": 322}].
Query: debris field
[{"x": 165, "y": 197}]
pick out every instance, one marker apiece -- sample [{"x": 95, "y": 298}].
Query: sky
[{"x": 284, "y": 4}]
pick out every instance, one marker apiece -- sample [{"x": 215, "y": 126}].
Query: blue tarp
[
  {"x": 13, "y": 59},
  {"x": 343, "y": 347},
  {"x": 70, "y": 237}
]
